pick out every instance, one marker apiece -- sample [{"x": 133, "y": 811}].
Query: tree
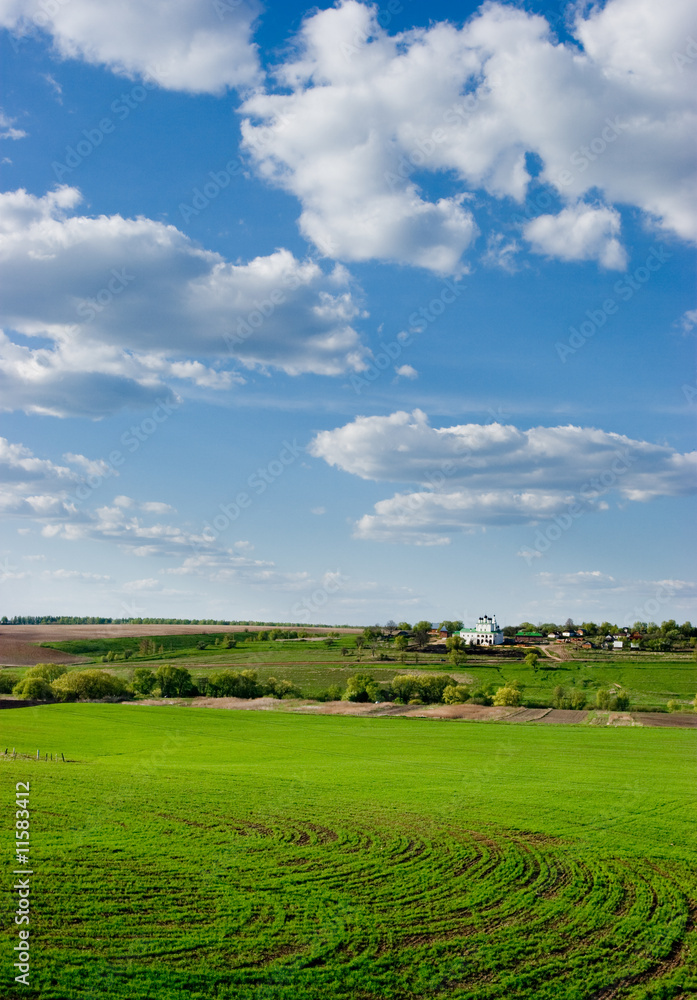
[
  {"x": 431, "y": 687},
  {"x": 144, "y": 680},
  {"x": 88, "y": 685},
  {"x": 421, "y": 633},
  {"x": 590, "y": 627},
  {"x": 174, "y": 682},
  {"x": 509, "y": 694},
  {"x": 33, "y": 689},
  {"x": 428, "y": 689},
  {"x": 456, "y": 694},
  {"x": 452, "y": 626},
  {"x": 577, "y": 699},
  {"x": 404, "y": 627},
  {"x": 281, "y": 689},
  {"x": 532, "y": 661},
  {"x": 401, "y": 644},
  {"x": 7, "y": 682},
  {"x": 405, "y": 687},
  {"x": 482, "y": 695},
  {"x": 231, "y": 684},
  {"x": 361, "y": 687},
  {"x": 613, "y": 701},
  {"x": 46, "y": 671}
]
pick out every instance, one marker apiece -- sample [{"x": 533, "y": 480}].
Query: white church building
[{"x": 485, "y": 633}]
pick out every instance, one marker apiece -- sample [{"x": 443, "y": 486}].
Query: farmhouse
[
  {"x": 523, "y": 638},
  {"x": 485, "y": 633}
]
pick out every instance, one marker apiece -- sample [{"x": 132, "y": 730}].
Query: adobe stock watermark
[
  {"x": 687, "y": 56},
  {"x": 261, "y": 311},
  {"x": 257, "y": 483},
  {"x": 38, "y": 21},
  {"x": 650, "y": 609},
  {"x": 589, "y": 152},
  {"x": 225, "y": 7},
  {"x": 332, "y": 583},
  {"x": 218, "y": 180},
  {"x": 131, "y": 439},
  {"x": 89, "y": 309},
  {"x": 92, "y": 138},
  {"x": 418, "y": 322},
  {"x": 624, "y": 289},
  {"x": 580, "y": 160},
  {"x": 580, "y": 504}
]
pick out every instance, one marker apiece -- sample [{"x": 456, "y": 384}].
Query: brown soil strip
[
  {"x": 666, "y": 720},
  {"x": 564, "y": 716}
]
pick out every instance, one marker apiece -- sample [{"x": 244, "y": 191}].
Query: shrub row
[{"x": 51, "y": 682}]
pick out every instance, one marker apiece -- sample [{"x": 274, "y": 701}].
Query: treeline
[
  {"x": 417, "y": 689},
  {"x": 667, "y": 629},
  {"x": 53, "y": 682}
]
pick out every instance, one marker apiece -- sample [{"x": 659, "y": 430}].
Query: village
[{"x": 487, "y": 632}]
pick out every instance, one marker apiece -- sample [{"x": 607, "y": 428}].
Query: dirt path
[{"x": 548, "y": 652}]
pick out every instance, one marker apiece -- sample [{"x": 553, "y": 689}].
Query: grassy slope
[{"x": 231, "y": 854}]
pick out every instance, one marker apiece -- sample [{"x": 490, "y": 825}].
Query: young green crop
[{"x": 208, "y": 853}]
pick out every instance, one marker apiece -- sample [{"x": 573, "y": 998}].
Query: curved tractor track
[{"x": 403, "y": 908}]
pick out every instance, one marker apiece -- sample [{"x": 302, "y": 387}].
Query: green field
[
  {"x": 199, "y": 853},
  {"x": 651, "y": 679}
]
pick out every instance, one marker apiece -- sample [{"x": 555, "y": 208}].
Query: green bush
[
  {"x": 456, "y": 694},
  {"x": 7, "y": 682},
  {"x": 33, "y": 689},
  {"x": 281, "y": 689},
  {"x": 144, "y": 680},
  {"x": 509, "y": 694},
  {"x": 612, "y": 701},
  {"x": 568, "y": 699},
  {"x": 231, "y": 684},
  {"x": 483, "y": 695},
  {"x": 88, "y": 685},
  {"x": 46, "y": 671},
  {"x": 174, "y": 682},
  {"x": 361, "y": 687}
]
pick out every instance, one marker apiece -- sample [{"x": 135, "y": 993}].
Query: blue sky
[{"x": 348, "y": 313}]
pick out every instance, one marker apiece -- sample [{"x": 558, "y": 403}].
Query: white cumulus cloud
[
  {"x": 580, "y": 232},
  {"x": 473, "y": 475},
  {"x": 358, "y": 114},
  {"x": 181, "y": 45},
  {"x": 129, "y": 309}
]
